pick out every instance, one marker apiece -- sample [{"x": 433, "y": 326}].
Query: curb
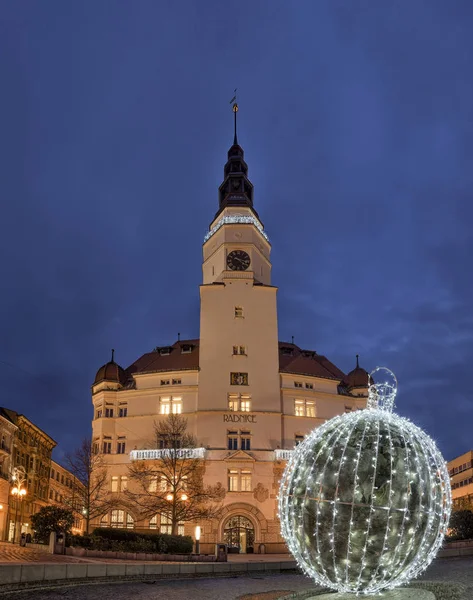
[{"x": 17, "y": 577}]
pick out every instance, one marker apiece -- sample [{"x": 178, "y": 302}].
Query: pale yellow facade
[
  {"x": 461, "y": 479},
  {"x": 248, "y": 398}
]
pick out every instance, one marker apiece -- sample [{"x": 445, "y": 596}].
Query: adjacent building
[
  {"x": 461, "y": 478},
  {"x": 66, "y": 491},
  {"x": 248, "y": 397},
  {"x": 26, "y": 469}
]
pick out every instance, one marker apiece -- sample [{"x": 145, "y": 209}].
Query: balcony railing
[
  {"x": 282, "y": 454},
  {"x": 159, "y": 454}
]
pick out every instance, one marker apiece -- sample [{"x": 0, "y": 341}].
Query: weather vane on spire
[{"x": 235, "y": 110}]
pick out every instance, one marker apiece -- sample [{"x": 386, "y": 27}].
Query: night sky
[{"x": 357, "y": 123}]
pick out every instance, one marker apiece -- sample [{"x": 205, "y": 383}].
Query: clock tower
[{"x": 239, "y": 368}]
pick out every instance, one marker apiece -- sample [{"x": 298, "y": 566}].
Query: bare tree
[
  {"x": 172, "y": 485},
  {"x": 90, "y": 498}
]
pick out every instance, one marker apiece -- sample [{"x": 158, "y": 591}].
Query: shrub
[
  {"x": 461, "y": 525},
  {"x": 124, "y": 540}
]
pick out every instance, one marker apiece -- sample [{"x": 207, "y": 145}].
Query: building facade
[
  {"x": 66, "y": 491},
  {"x": 248, "y": 398},
  {"x": 461, "y": 479},
  {"x": 8, "y": 431}
]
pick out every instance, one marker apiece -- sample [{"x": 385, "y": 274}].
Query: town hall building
[{"x": 248, "y": 397}]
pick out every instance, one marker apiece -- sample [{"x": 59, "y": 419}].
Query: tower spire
[{"x": 235, "y": 110}]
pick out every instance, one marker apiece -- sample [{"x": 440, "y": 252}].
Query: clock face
[{"x": 238, "y": 260}]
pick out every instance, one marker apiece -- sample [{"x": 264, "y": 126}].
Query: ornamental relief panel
[{"x": 260, "y": 493}]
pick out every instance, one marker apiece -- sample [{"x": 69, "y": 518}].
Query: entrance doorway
[{"x": 239, "y": 534}]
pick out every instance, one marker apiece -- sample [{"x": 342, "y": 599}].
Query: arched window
[
  {"x": 153, "y": 522},
  {"x": 118, "y": 519}
]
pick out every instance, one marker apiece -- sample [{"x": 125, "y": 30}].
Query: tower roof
[
  {"x": 111, "y": 371},
  {"x": 236, "y": 189}
]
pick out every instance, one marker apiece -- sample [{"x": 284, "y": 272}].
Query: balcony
[
  {"x": 282, "y": 454},
  {"x": 181, "y": 453}
]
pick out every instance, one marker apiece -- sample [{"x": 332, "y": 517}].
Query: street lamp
[
  {"x": 197, "y": 539},
  {"x": 19, "y": 491}
]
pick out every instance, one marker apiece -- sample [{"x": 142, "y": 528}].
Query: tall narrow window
[
  {"x": 245, "y": 438},
  {"x": 153, "y": 484},
  {"x": 98, "y": 414},
  {"x": 123, "y": 483},
  {"x": 164, "y": 406},
  {"x": 233, "y": 480},
  {"x": 121, "y": 446},
  {"x": 176, "y": 406},
  {"x": 299, "y": 408},
  {"x": 122, "y": 411},
  {"x": 114, "y": 487},
  {"x": 107, "y": 447},
  {"x": 233, "y": 440},
  {"x": 239, "y": 312},
  {"x": 245, "y": 481},
  {"x": 245, "y": 403},
  {"x": 309, "y": 409},
  {"x": 233, "y": 402},
  {"x": 109, "y": 412},
  {"x": 153, "y": 522},
  {"x": 298, "y": 439}
]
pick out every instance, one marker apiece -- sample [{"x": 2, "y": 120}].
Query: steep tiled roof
[
  {"x": 168, "y": 358},
  {"x": 111, "y": 372},
  {"x": 293, "y": 359}
]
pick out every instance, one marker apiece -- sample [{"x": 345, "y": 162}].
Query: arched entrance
[{"x": 239, "y": 534}]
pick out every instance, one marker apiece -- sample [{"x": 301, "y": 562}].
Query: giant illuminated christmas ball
[{"x": 365, "y": 500}]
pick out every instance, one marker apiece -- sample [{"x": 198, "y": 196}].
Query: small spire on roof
[
  {"x": 113, "y": 354},
  {"x": 178, "y": 336},
  {"x": 292, "y": 340},
  {"x": 235, "y": 110},
  {"x": 357, "y": 363}
]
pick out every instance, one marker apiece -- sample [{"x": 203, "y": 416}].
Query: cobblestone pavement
[
  {"x": 14, "y": 553},
  {"x": 459, "y": 570}
]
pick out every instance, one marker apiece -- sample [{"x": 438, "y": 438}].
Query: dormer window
[
  {"x": 186, "y": 349},
  {"x": 165, "y": 351},
  {"x": 287, "y": 351}
]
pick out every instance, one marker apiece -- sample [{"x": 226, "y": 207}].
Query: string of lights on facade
[{"x": 365, "y": 500}]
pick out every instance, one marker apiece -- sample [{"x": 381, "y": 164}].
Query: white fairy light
[
  {"x": 237, "y": 219},
  {"x": 364, "y": 501}
]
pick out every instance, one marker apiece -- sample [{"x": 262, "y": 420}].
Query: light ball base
[{"x": 397, "y": 594}]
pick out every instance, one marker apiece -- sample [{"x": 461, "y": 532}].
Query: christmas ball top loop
[{"x": 381, "y": 395}]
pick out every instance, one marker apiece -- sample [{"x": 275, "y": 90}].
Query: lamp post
[
  {"x": 19, "y": 491},
  {"x": 197, "y": 539}
]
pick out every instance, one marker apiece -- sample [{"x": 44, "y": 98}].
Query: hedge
[{"x": 124, "y": 540}]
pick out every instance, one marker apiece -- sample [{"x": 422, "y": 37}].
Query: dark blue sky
[{"x": 357, "y": 123}]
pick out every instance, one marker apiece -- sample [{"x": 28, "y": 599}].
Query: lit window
[
  {"x": 153, "y": 484},
  {"x": 309, "y": 409},
  {"x": 238, "y": 378},
  {"x": 176, "y": 406},
  {"x": 123, "y": 483},
  {"x": 298, "y": 384},
  {"x": 245, "y": 404},
  {"x": 122, "y": 411},
  {"x": 233, "y": 481},
  {"x": 239, "y": 312},
  {"x": 121, "y": 447},
  {"x": 165, "y": 406},
  {"x": 165, "y": 381},
  {"x": 245, "y": 481},
  {"x": 117, "y": 519},
  {"x": 176, "y": 382},
  {"x": 233, "y": 440},
  {"x": 166, "y": 526},
  {"x": 153, "y": 522},
  {"x": 114, "y": 487},
  {"x": 304, "y": 408},
  {"x": 233, "y": 402},
  {"x": 109, "y": 412}
]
